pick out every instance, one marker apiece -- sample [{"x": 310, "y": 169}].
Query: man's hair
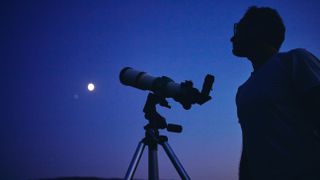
[{"x": 268, "y": 24}]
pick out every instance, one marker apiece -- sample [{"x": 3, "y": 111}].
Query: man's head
[{"x": 259, "y": 29}]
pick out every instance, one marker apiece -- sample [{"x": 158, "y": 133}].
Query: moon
[{"x": 91, "y": 87}]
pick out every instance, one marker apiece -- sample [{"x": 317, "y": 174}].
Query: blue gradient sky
[{"x": 51, "y": 50}]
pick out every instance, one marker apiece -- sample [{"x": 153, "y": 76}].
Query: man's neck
[{"x": 259, "y": 58}]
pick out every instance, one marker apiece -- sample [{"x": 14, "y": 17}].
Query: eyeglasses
[{"x": 235, "y": 28}]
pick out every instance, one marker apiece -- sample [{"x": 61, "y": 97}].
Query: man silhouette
[{"x": 279, "y": 105}]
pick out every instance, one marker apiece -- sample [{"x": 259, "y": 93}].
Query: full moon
[{"x": 90, "y": 86}]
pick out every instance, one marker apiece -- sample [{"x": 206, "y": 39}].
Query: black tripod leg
[
  {"x": 153, "y": 162},
  {"x": 135, "y": 161},
  {"x": 175, "y": 161}
]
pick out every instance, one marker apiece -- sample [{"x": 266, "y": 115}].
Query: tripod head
[{"x": 156, "y": 121}]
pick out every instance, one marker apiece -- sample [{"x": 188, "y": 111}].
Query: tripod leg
[
  {"x": 153, "y": 162},
  {"x": 135, "y": 161},
  {"x": 175, "y": 161}
]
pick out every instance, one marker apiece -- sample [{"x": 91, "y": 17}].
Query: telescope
[{"x": 163, "y": 86}]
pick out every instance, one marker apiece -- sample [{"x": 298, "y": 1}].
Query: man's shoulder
[
  {"x": 297, "y": 52},
  {"x": 297, "y": 56},
  {"x": 294, "y": 52}
]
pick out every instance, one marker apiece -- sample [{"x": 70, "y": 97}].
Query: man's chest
[{"x": 270, "y": 86}]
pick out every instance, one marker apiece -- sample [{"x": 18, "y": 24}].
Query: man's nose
[{"x": 232, "y": 39}]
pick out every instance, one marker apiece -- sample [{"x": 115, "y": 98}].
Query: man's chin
[{"x": 238, "y": 53}]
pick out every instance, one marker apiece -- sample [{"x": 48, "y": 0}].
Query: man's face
[{"x": 241, "y": 39}]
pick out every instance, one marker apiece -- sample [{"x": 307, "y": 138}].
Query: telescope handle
[{"x": 174, "y": 128}]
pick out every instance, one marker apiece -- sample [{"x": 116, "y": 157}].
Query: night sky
[{"x": 52, "y": 126}]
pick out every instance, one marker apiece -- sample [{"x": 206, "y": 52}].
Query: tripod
[{"x": 153, "y": 138}]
